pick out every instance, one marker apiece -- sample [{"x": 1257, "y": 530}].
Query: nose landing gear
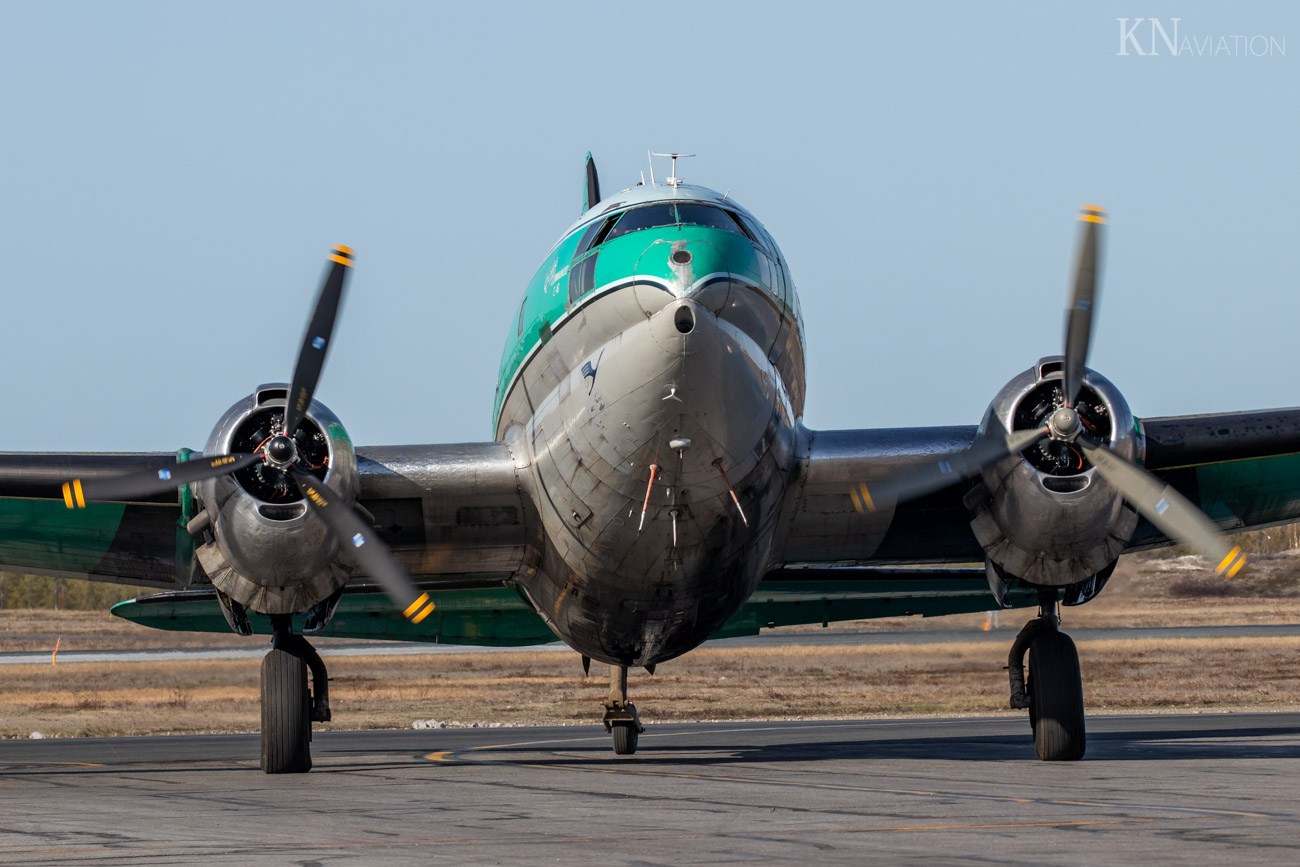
[
  {"x": 621, "y": 720},
  {"x": 1053, "y": 691}
]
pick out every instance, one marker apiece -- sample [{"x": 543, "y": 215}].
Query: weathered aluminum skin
[
  {"x": 615, "y": 590},
  {"x": 821, "y": 526},
  {"x": 450, "y": 510},
  {"x": 1029, "y": 523},
  {"x": 282, "y": 564}
]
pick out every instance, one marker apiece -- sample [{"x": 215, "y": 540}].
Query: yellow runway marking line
[{"x": 441, "y": 755}]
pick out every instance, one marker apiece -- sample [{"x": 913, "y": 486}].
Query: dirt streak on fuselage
[{"x": 660, "y": 340}]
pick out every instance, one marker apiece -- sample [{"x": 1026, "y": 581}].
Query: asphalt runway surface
[
  {"x": 256, "y": 648},
  {"x": 1203, "y": 789}
]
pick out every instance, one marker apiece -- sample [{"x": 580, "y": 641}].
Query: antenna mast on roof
[
  {"x": 651, "y": 160},
  {"x": 672, "y": 179}
]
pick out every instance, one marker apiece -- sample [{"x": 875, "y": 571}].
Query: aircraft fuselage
[{"x": 656, "y": 371}]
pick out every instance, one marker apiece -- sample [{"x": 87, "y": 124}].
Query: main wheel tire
[
  {"x": 1029, "y": 690},
  {"x": 286, "y": 714},
  {"x": 625, "y": 737},
  {"x": 1056, "y": 698}
]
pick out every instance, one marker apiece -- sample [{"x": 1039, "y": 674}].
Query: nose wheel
[{"x": 621, "y": 720}]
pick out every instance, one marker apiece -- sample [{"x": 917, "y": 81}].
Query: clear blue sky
[{"x": 172, "y": 176}]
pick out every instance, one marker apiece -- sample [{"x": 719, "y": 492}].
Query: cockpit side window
[
  {"x": 744, "y": 230},
  {"x": 649, "y": 217},
  {"x": 605, "y": 227},
  {"x": 582, "y": 277},
  {"x": 753, "y": 230},
  {"x": 594, "y": 235}
]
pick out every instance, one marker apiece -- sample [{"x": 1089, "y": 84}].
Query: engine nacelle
[
  {"x": 267, "y": 550},
  {"x": 1045, "y": 515}
]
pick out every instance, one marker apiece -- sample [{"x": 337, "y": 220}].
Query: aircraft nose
[{"x": 687, "y": 266}]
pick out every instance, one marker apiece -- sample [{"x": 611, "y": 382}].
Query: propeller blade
[
  {"x": 931, "y": 477},
  {"x": 311, "y": 358},
  {"x": 1083, "y": 301},
  {"x": 1169, "y": 510},
  {"x": 78, "y": 492},
  {"x": 365, "y": 546}
]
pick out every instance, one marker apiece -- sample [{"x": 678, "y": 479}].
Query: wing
[
  {"x": 451, "y": 513},
  {"x": 789, "y": 597},
  {"x": 486, "y": 615},
  {"x": 1241, "y": 469},
  {"x": 822, "y": 526},
  {"x": 130, "y": 543}
]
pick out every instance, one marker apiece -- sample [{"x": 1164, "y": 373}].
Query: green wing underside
[{"x": 501, "y": 617}]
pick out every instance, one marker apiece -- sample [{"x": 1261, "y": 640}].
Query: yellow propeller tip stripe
[
  {"x": 67, "y": 495},
  {"x": 853, "y": 493},
  {"x": 1236, "y": 568},
  {"x": 1094, "y": 208},
  {"x": 1227, "y": 560},
  {"x": 415, "y": 606},
  {"x": 344, "y": 249},
  {"x": 423, "y": 614},
  {"x": 1092, "y": 218},
  {"x": 866, "y": 498}
]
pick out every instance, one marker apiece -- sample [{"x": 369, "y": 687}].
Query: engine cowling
[
  {"x": 263, "y": 547},
  {"x": 1045, "y": 516}
]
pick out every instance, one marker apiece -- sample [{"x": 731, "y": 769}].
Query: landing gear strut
[
  {"x": 620, "y": 714},
  {"x": 289, "y": 706},
  {"x": 1053, "y": 692}
]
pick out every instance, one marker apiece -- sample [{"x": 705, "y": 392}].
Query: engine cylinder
[
  {"x": 1045, "y": 515},
  {"x": 269, "y": 551}
]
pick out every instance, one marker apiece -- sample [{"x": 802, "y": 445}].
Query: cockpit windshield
[
  {"x": 695, "y": 214},
  {"x": 669, "y": 214},
  {"x": 648, "y": 217}
]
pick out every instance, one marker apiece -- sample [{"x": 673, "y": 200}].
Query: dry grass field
[{"x": 787, "y": 681}]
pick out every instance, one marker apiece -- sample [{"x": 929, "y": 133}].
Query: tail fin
[{"x": 591, "y": 195}]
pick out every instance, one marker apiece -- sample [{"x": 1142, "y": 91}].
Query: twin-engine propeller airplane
[{"x": 651, "y": 485}]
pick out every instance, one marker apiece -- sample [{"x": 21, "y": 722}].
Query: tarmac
[{"x": 1162, "y": 789}]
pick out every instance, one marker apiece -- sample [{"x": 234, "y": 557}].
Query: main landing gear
[
  {"x": 1053, "y": 692},
  {"x": 289, "y": 705},
  {"x": 620, "y": 714}
]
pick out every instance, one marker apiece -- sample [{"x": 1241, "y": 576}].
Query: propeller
[
  {"x": 1083, "y": 302},
  {"x": 1159, "y": 503},
  {"x": 931, "y": 477},
  {"x": 280, "y": 452},
  {"x": 1163, "y": 506}
]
